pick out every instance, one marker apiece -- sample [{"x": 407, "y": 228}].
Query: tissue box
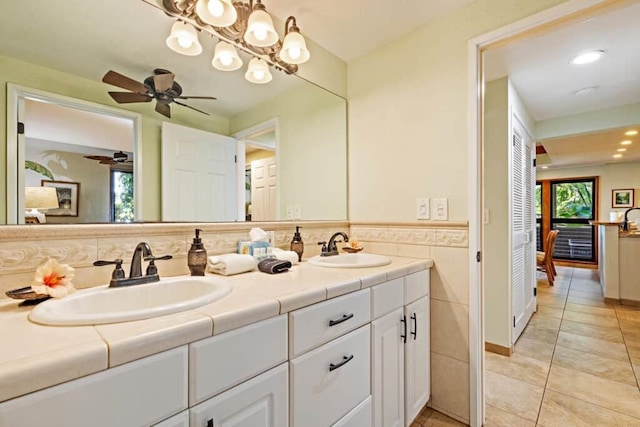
[{"x": 246, "y": 247}]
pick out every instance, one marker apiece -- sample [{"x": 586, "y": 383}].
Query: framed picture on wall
[
  {"x": 622, "y": 198},
  {"x": 68, "y": 197}
]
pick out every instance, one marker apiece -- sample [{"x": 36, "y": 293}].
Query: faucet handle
[
  {"x": 118, "y": 272},
  {"x": 157, "y": 258},
  {"x": 151, "y": 268},
  {"x": 323, "y": 250}
]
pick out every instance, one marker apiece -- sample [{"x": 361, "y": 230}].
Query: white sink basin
[
  {"x": 102, "y": 304},
  {"x": 358, "y": 260}
]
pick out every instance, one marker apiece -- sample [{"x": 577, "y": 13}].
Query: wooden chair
[{"x": 544, "y": 260}]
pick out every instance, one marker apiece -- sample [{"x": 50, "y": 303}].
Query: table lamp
[{"x": 39, "y": 198}]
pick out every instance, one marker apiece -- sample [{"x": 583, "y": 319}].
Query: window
[{"x": 121, "y": 209}]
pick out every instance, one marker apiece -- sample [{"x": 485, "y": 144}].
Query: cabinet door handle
[
  {"x": 404, "y": 328},
  {"x": 415, "y": 326},
  {"x": 344, "y": 318},
  {"x": 210, "y": 423},
  {"x": 345, "y": 360}
]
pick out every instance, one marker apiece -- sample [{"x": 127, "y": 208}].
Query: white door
[
  {"x": 263, "y": 189},
  {"x": 198, "y": 175},
  {"x": 259, "y": 402},
  {"x": 417, "y": 358},
  {"x": 523, "y": 263},
  {"x": 387, "y": 370}
]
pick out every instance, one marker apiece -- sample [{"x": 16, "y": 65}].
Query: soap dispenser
[
  {"x": 197, "y": 256},
  {"x": 297, "y": 245}
]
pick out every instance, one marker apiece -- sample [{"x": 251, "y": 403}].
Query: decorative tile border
[{"x": 430, "y": 234}]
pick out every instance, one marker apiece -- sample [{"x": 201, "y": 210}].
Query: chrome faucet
[
  {"x": 140, "y": 253},
  {"x": 331, "y": 248},
  {"x": 625, "y": 223}
]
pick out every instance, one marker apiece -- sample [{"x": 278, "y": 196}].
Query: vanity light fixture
[
  {"x": 631, "y": 132},
  {"x": 587, "y": 57},
  {"x": 626, "y": 142},
  {"x": 236, "y": 24}
]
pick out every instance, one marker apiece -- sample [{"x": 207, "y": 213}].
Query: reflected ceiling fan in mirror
[
  {"x": 118, "y": 158},
  {"x": 161, "y": 86}
]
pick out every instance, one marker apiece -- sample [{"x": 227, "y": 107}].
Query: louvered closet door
[{"x": 522, "y": 228}]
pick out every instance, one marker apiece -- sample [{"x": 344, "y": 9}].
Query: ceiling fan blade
[
  {"x": 188, "y": 106},
  {"x": 129, "y": 97},
  {"x": 117, "y": 79},
  {"x": 194, "y": 97},
  {"x": 100, "y": 158},
  {"x": 163, "y": 109},
  {"x": 163, "y": 82}
]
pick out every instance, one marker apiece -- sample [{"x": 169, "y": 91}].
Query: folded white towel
[
  {"x": 230, "y": 264},
  {"x": 285, "y": 255}
]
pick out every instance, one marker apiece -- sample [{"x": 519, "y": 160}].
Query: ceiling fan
[
  {"x": 161, "y": 87},
  {"x": 118, "y": 158}
]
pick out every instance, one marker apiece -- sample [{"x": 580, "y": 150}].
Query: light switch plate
[
  {"x": 423, "y": 210},
  {"x": 440, "y": 209},
  {"x": 297, "y": 212}
]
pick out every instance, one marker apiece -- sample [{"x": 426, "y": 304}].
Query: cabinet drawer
[
  {"x": 360, "y": 416},
  {"x": 220, "y": 362},
  {"x": 139, "y": 393},
  {"x": 387, "y": 297},
  {"x": 416, "y": 285},
  {"x": 320, "y": 323},
  {"x": 180, "y": 420},
  {"x": 259, "y": 402},
  {"x": 328, "y": 382}
]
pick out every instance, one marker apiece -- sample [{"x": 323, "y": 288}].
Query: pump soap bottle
[
  {"x": 297, "y": 245},
  {"x": 197, "y": 256}
]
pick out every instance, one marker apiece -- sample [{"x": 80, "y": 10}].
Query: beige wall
[{"x": 611, "y": 176}]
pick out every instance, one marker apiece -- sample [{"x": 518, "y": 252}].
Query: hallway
[{"x": 576, "y": 364}]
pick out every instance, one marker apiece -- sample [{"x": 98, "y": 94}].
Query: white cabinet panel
[
  {"x": 222, "y": 361},
  {"x": 259, "y": 402},
  {"x": 360, "y": 416},
  {"x": 328, "y": 382},
  {"x": 139, "y": 393},
  {"x": 322, "y": 322},
  {"x": 387, "y": 363},
  {"x": 180, "y": 420},
  {"x": 386, "y": 297},
  {"x": 417, "y": 358},
  {"x": 417, "y": 285}
]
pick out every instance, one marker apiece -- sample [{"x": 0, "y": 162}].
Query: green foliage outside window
[
  {"x": 123, "y": 196},
  {"x": 573, "y": 200}
]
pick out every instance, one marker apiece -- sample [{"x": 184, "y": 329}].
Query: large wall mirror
[{"x": 110, "y": 156}]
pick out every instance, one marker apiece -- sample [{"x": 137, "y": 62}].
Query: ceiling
[{"x": 539, "y": 68}]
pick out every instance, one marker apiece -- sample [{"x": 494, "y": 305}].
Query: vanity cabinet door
[
  {"x": 387, "y": 369},
  {"x": 180, "y": 420},
  {"x": 360, "y": 416},
  {"x": 139, "y": 393},
  {"x": 259, "y": 402},
  {"x": 417, "y": 358}
]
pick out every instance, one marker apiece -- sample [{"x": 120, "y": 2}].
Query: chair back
[{"x": 551, "y": 243}]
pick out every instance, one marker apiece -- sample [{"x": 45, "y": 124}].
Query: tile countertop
[{"x": 33, "y": 357}]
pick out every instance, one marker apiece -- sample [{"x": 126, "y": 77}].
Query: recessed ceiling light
[
  {"x": 585, "y": 91},
  {"x": 587, "y": 57},
  {"x": 621, "y": 149},
  {"x": 627, "y": 142},
  {"x": 545, "y": 167},
  {"x": 617, "y": 156},
  {"x": 631, "y": 132}
]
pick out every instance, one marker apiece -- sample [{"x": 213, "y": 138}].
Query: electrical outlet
[
  {"x": 297, "y": 212},
  {"x": 422, "y": 208},
  {"x": 271, "y": 236},
  {"x": 440, "y": 209},
  {"x": 289, "y": 212}
]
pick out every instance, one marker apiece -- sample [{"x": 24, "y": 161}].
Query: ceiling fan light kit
[{"x": 247, "y": 26}]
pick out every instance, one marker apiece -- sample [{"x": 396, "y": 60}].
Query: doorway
[{"x": 17, "y": 99}]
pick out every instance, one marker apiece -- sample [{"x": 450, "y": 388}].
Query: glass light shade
[
  {"x": 219, "y": 13},
  {"x": 294, "y": 49},
  {"x": 226, "y": 57},
  {"x": 184, "y": 39},
  {"x": 258, "y": 72},
  {"x": 260, "y": 31}
]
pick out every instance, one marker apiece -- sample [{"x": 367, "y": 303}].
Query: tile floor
[
  {"x": 430, "y": 418},
  {"x": 577, "y": 363}
]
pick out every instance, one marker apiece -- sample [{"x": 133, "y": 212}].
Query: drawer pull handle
[
  {"x": 345, "y": 360},
  {"x": 344, "y": 318},
  {"x": 415, "y": 326},
  {"x": 404, "y": 328},
  {"x": 210, "y": 423}
]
